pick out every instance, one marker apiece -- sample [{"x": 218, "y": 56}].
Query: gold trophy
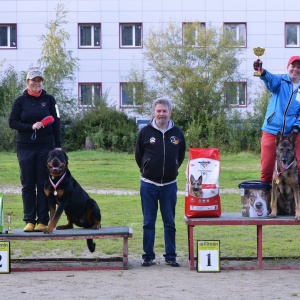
[
  {"x": 9, "y": 230},
  {"x": 258, "y": 51}
]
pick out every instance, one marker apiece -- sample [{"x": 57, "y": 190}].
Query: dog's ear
[
  {"x": 200, "y": 178},
  {"x": 192, "y": 178},
  {"x": 48, "y": 157},
  {"x": 279, "y": 137},
  {"x": 292, "y": 137},
  {"x": 247, "y": 193},
  {"x": 66, "y": 158}
]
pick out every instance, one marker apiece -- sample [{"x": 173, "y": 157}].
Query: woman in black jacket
[{"x": 35, "y": 138}]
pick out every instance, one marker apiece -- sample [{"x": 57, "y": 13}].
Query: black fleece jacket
[
  {"x": 27, "y": 110},
  {"x": 159, "y": 155}
]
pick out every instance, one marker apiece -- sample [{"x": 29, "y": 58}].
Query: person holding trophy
[{"x": 283, "y": 112}]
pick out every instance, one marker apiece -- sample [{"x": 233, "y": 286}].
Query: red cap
[
  {"x": 293, "y": 58},
  {"x": 47, "y": 121}
]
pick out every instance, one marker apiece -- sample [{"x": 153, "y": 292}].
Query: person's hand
[
  {"x": 295, "y": 130},
  {"x": 257, "y": 65},
  {"x": 37, "y": 125}
]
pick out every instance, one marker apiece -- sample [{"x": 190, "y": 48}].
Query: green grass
[
  {"x": 108, "y": 170},
  {"x": 118, "y": 171}
]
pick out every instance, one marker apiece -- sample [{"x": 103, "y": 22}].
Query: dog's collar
[
  {"x": 276, "y": 169},
  {"x": 58, "y": 182}
]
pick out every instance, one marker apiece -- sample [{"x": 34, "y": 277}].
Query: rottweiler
[{"x": 64, "y": 191}]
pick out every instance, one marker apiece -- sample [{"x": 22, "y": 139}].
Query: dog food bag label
[
  {"x": 202, "y": 196},
  {"x": 1, "y": 214}
]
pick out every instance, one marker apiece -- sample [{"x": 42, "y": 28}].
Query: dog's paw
[
  {"x": 63, "y": 227},
  {"x": 272, "y": 215},
  {"x": 48, "y": 230},
  {"x": 96, "y": 226},
  {"x": 297, "y": 218}
]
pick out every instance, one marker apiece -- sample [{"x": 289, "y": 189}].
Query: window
[
  {"x": 89, "y": 93},
  {"x": 292, "y": 35},
  {"x": 142, "y": 123},
  {"x": 8, "y": 36},
  {"x": 131, "y": 93},
  {"x": 193, "y": 34},
  {"x": 235, "y": 93},
  {"x": 236, "y": 32},
  {"x": 131, "y": 35},
  {"x": 89, "y": 36}
]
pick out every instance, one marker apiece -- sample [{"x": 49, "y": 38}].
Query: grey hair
[{"x": 163, "y": 101}]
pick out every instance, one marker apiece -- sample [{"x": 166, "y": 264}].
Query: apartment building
[{"x": 107, "y": 38}]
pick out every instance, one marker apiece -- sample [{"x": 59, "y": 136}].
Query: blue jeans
[{"x": 167, "y": 197}]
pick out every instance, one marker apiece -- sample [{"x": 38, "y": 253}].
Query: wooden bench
[
  {"x": 237, "y": 219},
  {"x": 123, "y": 232}
]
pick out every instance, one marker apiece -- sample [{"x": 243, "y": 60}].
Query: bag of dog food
[{"x": 202, "y": 196}]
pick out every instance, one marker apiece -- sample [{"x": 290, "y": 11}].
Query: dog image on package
[
  {"x": 256, "y": 203},
  {"x": 196, "y": 186}
]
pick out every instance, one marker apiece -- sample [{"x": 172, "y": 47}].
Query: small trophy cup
[
  {"x": 9, "y": 230},
  {"x": 258, "y": 51}
]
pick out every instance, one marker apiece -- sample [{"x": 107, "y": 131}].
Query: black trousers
[{"x": 33, "y": 173}]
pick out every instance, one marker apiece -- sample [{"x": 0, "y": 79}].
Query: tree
[
  {"x": 57, "y": 63},
  {"x": 192, "y": 73},
  {"x": 11, "y": 85},
  {"x": 260, "y": 104}
]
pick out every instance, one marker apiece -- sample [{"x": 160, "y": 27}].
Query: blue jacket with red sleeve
[{"x": 283, "y": 111}]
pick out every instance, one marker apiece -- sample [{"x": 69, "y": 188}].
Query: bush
[
  {"x": 7, "y": 136},
  {"x": 231, "y": 132},
  {"x": 106, "y": 127}
]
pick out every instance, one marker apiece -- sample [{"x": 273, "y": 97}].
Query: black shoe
[
  {"x": 173, "y": 263},
  {"x": 147, "y": 262}
]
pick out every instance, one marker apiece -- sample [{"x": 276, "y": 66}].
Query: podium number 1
[{"x": 208, "y": 259}]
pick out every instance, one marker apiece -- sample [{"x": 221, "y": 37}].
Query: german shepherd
[
  {"x": 285, "y": 197},
  {"x": 196, "y": 186},
  {"x": 64, "y": 191}
]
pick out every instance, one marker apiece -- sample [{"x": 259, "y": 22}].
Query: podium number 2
[{"x": 4, "y": 257}]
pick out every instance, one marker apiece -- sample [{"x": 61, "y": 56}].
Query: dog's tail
[{"x": 91, "y": 245}]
